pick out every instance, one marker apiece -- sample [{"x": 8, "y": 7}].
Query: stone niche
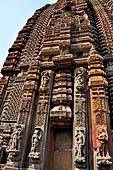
[{"x": 60, "y": 149}]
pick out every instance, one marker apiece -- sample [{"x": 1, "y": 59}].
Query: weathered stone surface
[{"x": 56, "y": 93}]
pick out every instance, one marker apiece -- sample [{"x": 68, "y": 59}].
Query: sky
[{"x": 13, "y": 16}]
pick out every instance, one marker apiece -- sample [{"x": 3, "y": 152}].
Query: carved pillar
[
  {"x": 79, "y": 123},
  {"x": 39, "y": 137},
  {"x": 100, "y": 130}
]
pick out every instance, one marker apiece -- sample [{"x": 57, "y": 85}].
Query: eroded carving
[
  {"x": 15, "y": 144},
  {"x": 102, "y": 137},
  {"x": 100, "y": 117},
  {"x": 80, "y": 143},
  {"x": 16, "y": 138},
  {"x": 35, "y": 153},
  {"x": 44, "y": 81},
  {"x": 80, "y": 78}
]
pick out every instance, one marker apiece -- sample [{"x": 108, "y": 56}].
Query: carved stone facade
[
  {"x": 80, "y": 121},
  {"x": 56, "y": 93}
]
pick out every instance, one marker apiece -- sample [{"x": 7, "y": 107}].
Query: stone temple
[{"x": 56, "y": 93}]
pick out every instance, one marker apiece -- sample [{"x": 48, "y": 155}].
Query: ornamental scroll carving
[{"x": 79, "y": 140}]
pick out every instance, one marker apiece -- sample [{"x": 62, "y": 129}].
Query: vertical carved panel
[
  {"x": 99, "y": 112},
  {"x": 39, "y": 136},
  {"x": 79, "y": 123}
]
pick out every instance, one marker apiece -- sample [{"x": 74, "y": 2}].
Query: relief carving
[
  {"x": 16, "y": 138},
  {"x": 6, "y": 135},
  {"x": 100, "y": 118},
  {"x": 85, "y": 19},
  {"x": 80, "y": 106},
  {"x": 41, "y": 118},
  {"x": 99, "y": 112},
  {"x": 15, "y": 144},
  {"x": 35, "y": 153},
  {"x": 80, "y": 78},
  {"x": 80, "y": 120},
  {"x": 102, "y": 137},
  {"x": 43, "y": 107},
  {"x": 64, "y": 49},
  {"x": 98, "y": 103},
  {"x": 61, "y": 112},
  {"x": 61, "y": 96},
  {"x": 44, "y": 81},
  {"x": 24, "y": 110},
  {"x": 80, "y": 143},
  {"x": 103, "y": 157}
]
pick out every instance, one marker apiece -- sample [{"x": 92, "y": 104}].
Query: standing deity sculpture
[
  {"x": 102, "y": 136},
  {"x": 80, "y": 142},
  {"x": 80, "y": 78},
  {"x": 44, "y": 81},
  {"x": 16, "y": 138},
  {"x": 34, "y": 153}
]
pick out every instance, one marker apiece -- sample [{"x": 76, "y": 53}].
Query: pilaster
[
  {"x": 39, "y": 137},
  {"x": 100, "y": 123},
  {"x": 80, "y": 121}
]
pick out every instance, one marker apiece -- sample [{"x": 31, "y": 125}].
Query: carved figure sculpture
[
  {"x": 64, "y": 49},
  {"x": 35, "y": 153},
  {"x": 80, "y": 139},
  {"x": 79, "y": 78},
  {"x": 36, "y": 139},
  {"x": 85, "y": 18},
  {"x": 44, "y": 80},
  {"x": 103, "y": 138},
  {"x": 16, "y": 138}
]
